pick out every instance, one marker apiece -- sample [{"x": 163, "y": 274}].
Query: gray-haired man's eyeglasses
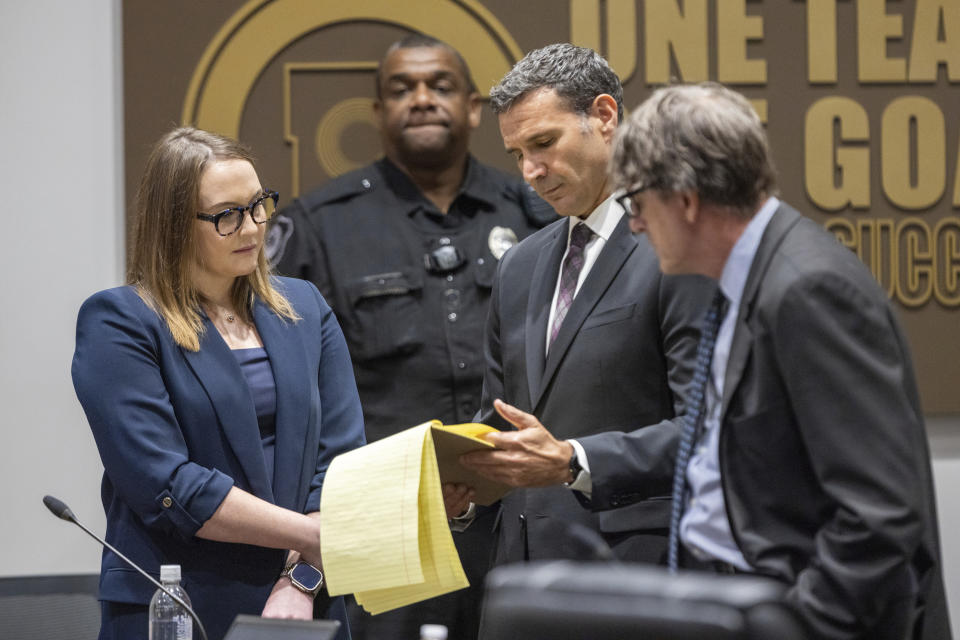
[{"x": 626, "y": 200}]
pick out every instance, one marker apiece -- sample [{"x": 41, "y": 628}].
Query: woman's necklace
[
  {"x": 235, "y": 329},
  {"x": 221, "y": 312}
]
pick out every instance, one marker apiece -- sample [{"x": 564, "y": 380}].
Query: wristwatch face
[
  {"x": 575, "y": 467},
  {"x": 306, "y": 577}
]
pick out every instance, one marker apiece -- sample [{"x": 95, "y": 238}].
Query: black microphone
[{"x": 62, "y": 511}]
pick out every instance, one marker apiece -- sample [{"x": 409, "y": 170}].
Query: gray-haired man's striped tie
[{"x": 692, "y": 419}]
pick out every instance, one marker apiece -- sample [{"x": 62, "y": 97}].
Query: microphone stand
[{"x": 62, "y": 511}]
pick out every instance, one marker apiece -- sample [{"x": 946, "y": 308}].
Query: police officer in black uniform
[{"x": 405, "y": 251}]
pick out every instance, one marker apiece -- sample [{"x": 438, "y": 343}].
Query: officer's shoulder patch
[{"x": 278, "y": 233}]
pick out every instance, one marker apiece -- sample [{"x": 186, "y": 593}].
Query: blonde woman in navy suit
[{"x": 217, "y": 395}]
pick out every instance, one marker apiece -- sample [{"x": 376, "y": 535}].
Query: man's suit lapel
[
  {"x": 781, "y": 222},
  {"x": 542, "y": 286},
  {"x": 283, "y": 343},
  {"x": 602, "y": 274},
  {"x": 220, "y": 376}
]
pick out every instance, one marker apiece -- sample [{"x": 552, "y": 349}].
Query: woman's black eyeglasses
[{"x": 230, "y": 220}]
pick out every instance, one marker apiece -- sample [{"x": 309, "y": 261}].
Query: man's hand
[
  {"x": 528, "y": 457},
  {"x": 456, "y": 499}
]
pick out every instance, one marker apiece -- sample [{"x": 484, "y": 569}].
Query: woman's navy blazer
[{"x": 176, "y": 429}]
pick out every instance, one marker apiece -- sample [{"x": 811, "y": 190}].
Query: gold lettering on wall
[
  {"x": 946, "y": 288},
  {"x": 874, "y": 28},
  {"x": 760, "y": 106},
  {"x": 621, "y": 28},
  {"x": 927, "y": 149},
  {"x": 822, "y": 41},
  {"x": 916, "y": 285},
  {"x": 622, "y": 37},
  {"x": 668, "y": 31},
  {"x": 585, "y": 23},
  {"x": 734, "y": 29},
  {"x": 912, "y": 261},
  {"x": 927, "y": 50},
  {"x": 872, "y": 241},
  {"x": 956, "y": 180},
  {"x": 837, "y": 175}
]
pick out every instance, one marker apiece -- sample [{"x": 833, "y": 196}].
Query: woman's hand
[
  {"x": 286, "y": 601},
  {"x": 310, "y": 553},
  {"x": 456, "y": 499}
]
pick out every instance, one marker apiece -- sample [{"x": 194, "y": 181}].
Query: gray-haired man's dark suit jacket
[
  {"x": 823, "y": 454},
  {"x": 628, "y": 331}
]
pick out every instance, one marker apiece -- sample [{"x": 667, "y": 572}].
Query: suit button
[{"x": 167, "y": 502}]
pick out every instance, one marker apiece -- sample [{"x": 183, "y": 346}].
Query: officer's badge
[{"x": 501, "y": 239}]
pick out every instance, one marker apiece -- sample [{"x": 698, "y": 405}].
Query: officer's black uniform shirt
[{"x": 414, "y": 325}]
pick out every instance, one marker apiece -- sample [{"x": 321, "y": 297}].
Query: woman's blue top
[{"x": 255, "y": 365}]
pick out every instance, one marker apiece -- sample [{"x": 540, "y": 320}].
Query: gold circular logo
[
  {"x": 249, "y": 50},
  {"x": 330, "y": 133}
]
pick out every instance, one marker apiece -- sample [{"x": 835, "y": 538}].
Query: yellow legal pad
[{"x": 385, "y": 536}]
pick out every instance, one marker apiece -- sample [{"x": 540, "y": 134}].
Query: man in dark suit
[
  {"x": 806, "y": 459},
  {"x": 608, "y": 345}
]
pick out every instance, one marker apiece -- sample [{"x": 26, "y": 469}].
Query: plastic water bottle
[
  {"x": 433, "y": 632},
  {"x": 169, "y": 620}
]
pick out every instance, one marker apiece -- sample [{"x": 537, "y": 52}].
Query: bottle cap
[
  {"x": 171, "y": 573},
  {"x": 433, "y": 632}
]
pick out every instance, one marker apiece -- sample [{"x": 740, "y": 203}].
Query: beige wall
[{"x": 60, "y": 169}]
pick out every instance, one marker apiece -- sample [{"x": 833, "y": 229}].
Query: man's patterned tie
[
  {"x": 569, "y": 274},
  {"x": 692, "y": 418}
]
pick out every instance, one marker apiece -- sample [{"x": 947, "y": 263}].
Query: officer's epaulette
[{"x": 344, "y": 187}]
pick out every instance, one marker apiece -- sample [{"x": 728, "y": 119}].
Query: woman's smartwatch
[{"x": 305, "y": 577}]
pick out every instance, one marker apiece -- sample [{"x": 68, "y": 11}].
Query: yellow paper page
[
  {"x": 442, "y": 570},
  {"x": 472, "y": 430},
  {"x": 370, "y": 535},
  {"x": 451, "y": 442}
]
